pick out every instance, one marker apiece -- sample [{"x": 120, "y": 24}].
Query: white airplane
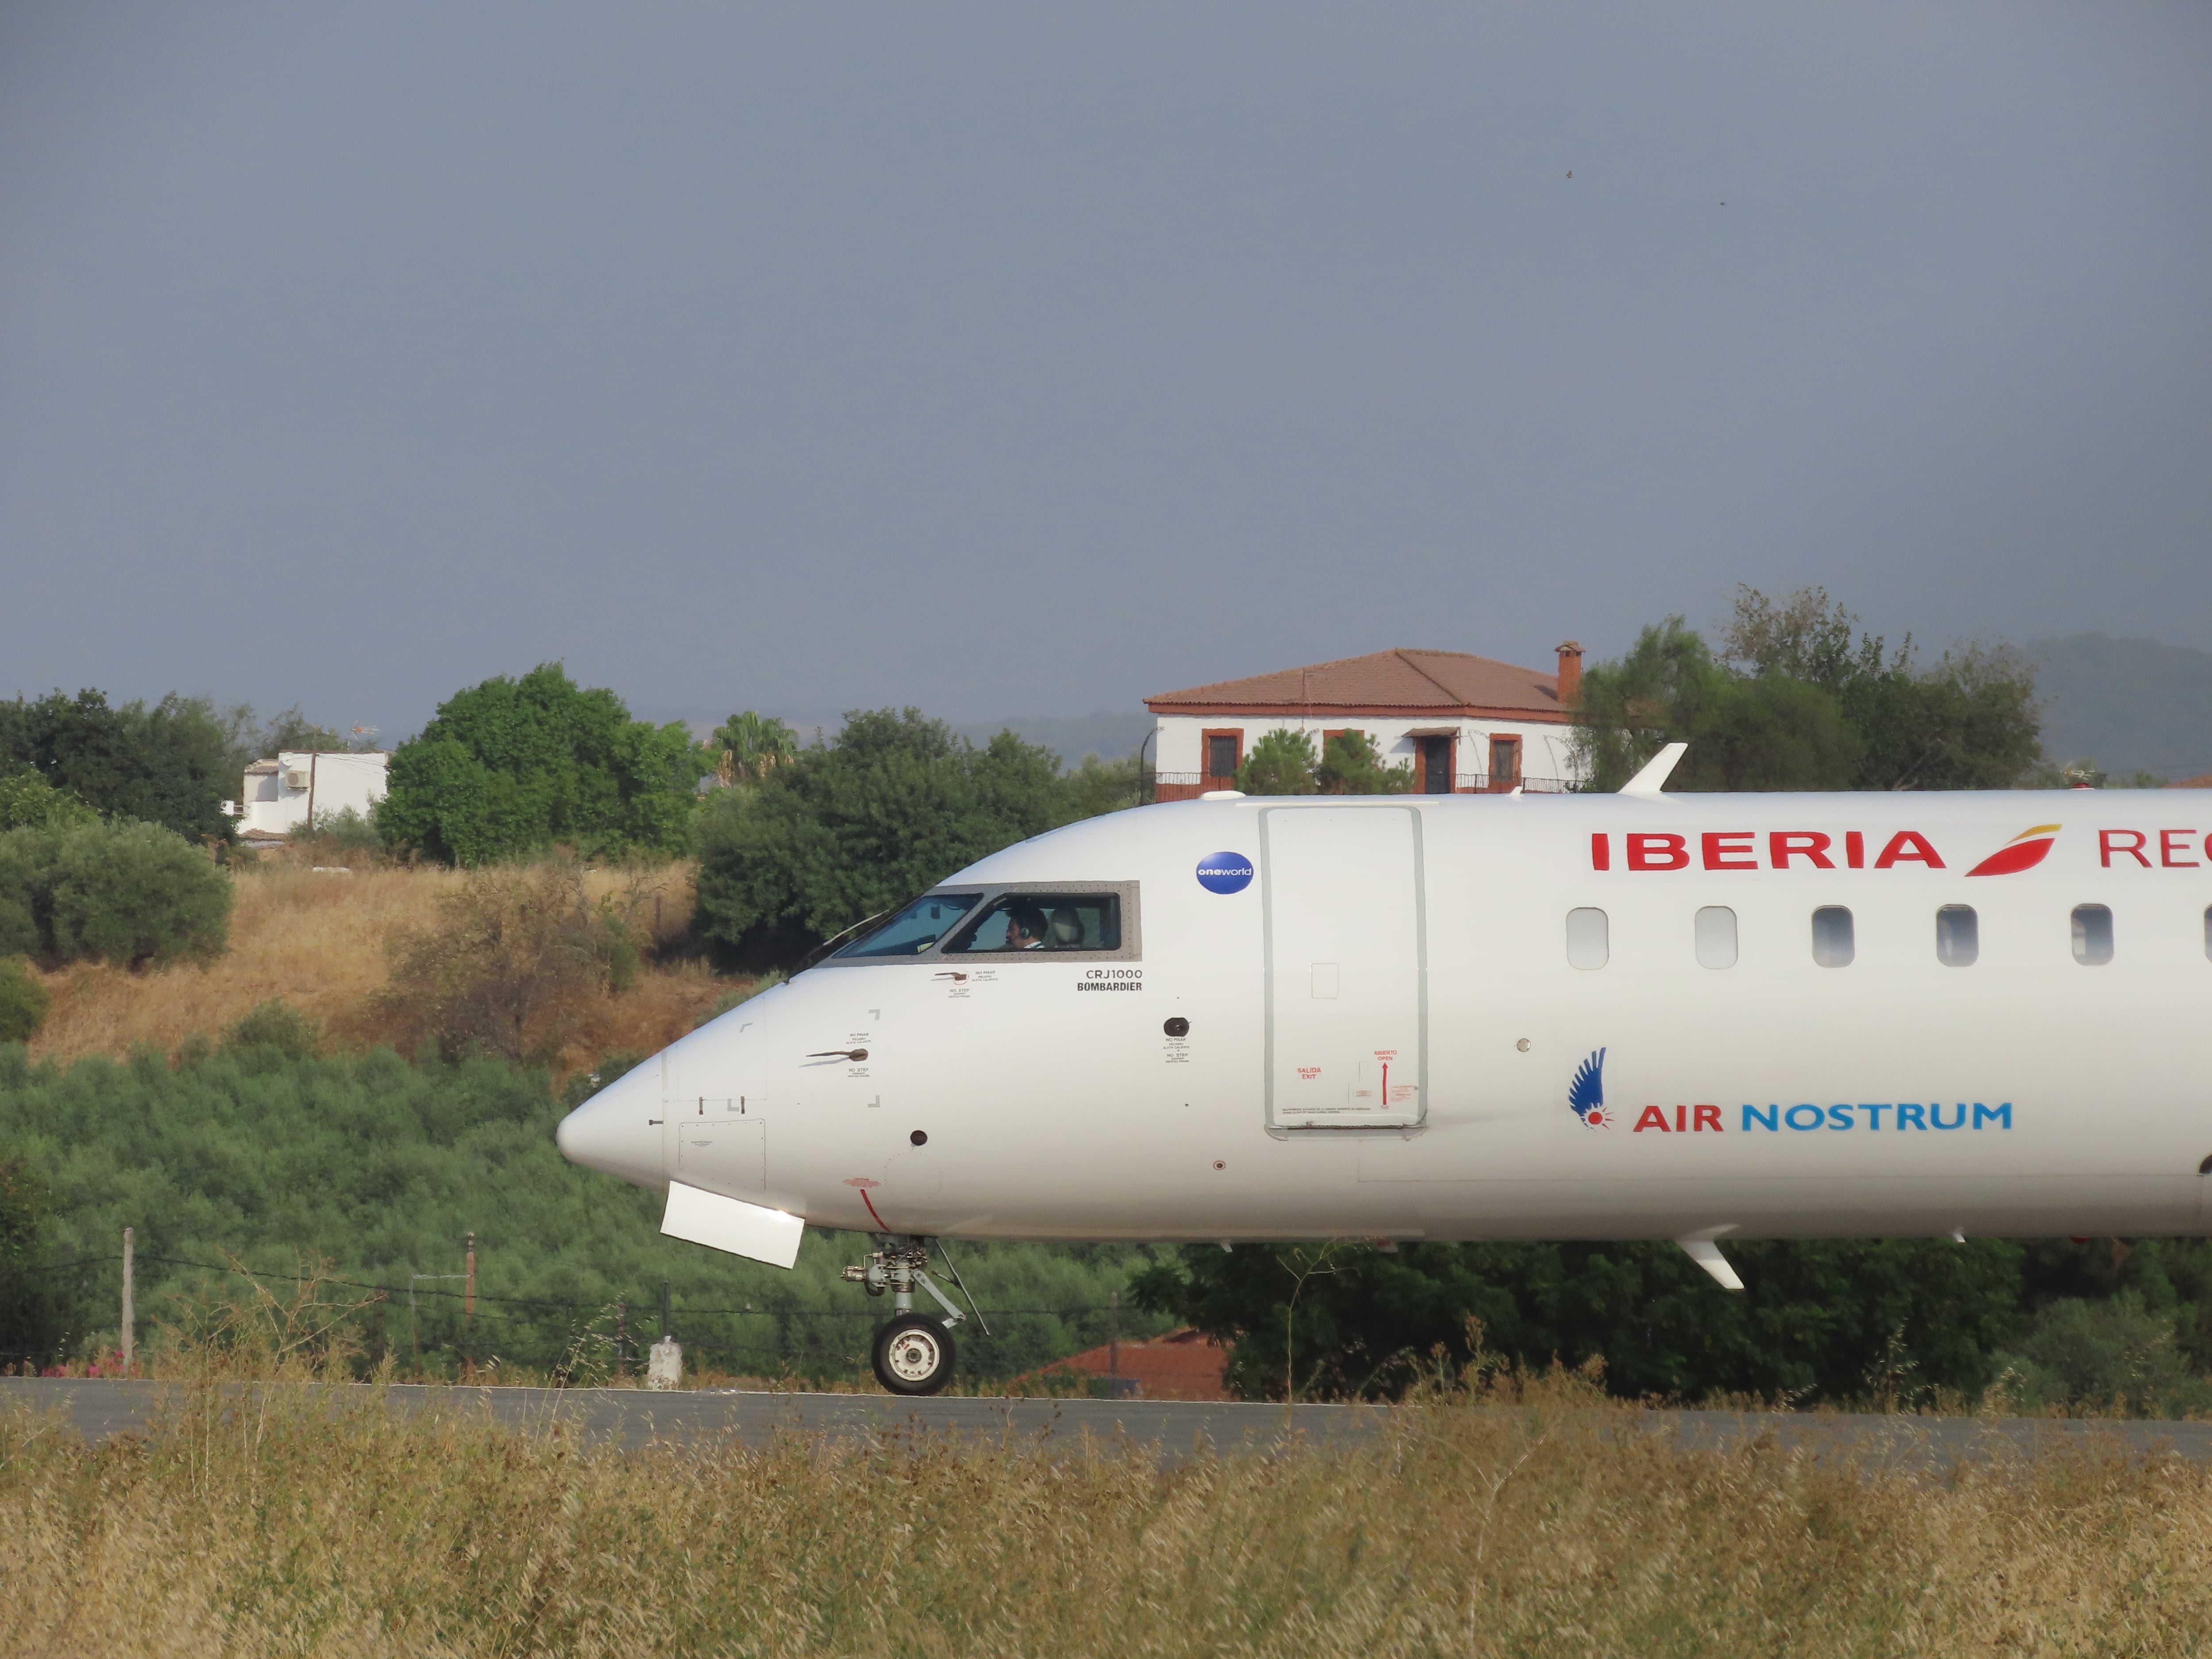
[{"x": 1638, "y": 1016}]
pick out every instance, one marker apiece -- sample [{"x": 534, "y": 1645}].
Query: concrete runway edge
[{"x": 98, "y": 1407}]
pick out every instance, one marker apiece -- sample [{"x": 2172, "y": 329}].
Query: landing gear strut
[{"x": 913, "y": 1353}]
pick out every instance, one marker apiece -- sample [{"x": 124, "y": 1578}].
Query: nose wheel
[{"x": 912, "y": 1354}]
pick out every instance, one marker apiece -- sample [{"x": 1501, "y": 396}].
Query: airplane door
[
  {"x": 720, "y": 1147},
  {"x": 1345, "y": 914}
]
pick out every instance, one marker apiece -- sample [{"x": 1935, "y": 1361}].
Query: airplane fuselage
[{"x": 1493, "y": 1016}]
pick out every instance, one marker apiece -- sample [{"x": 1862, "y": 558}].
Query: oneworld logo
[{"x": 1224, "y": 873}]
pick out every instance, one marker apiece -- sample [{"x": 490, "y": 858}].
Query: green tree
[
  {"x": 894, "y": 803},
  {"x": 171, "y": 764},
  {"x": 27, "y": 801},
  {"x": 23, "y": 1002},
  {"x": 290, "y": 729},
  {"x": 515, "y": 766},
  {"x": 1833, "y": 1322},
  {"x": 1352, "y": 765},
  {"x": 134, "y": 893},
  {"x": 747, "y": 747},
  {"x": 1967, "y": 721},
  {"x": 1281, "y": 764},
  {"x": 122, "y": 892},
  {"x": 1799, "y": 699},
  {"x": 1098, "y": 786},
  {"x": 33, "y": 1308}
]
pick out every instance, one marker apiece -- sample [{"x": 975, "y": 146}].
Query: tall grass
[
  {"x": 267, "y": 1521},
  {"x": 321, "y": 943}
]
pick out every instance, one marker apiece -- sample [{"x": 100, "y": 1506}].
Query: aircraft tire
[{"x": 912, "y": 1354}]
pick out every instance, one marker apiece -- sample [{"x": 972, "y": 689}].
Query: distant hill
[
  {"x": 1110, "y": 736},
  {"x": 2130, "y": 704}
]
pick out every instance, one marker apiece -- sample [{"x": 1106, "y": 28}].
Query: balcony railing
[{"x": 1188, "y": 786}]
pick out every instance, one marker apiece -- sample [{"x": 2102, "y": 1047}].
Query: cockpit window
[
  {"x": 916, "y": 928},
  {"x": 1045, "y": 922}
]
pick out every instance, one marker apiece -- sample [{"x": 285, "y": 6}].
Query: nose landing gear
[{"x": 912, "y": 1353}]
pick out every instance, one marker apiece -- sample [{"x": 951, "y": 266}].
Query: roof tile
[{"x": 1405, "y": 679}]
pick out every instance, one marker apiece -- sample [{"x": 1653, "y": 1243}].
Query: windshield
[
  {"x": 1047, "y": 921},
  {"x": 916, "y": 928}
]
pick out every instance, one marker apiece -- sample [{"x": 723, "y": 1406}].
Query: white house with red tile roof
[{"x": 1467, "y": 724}]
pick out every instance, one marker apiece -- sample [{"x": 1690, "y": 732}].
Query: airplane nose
[{"x": 617, "y": 1131}]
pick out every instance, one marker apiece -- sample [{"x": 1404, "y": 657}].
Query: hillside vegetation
[
  {"x": 247, "y": 1156},
  {"x": 322, "y": 943}
]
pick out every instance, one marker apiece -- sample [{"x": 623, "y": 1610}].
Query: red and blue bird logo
[{"x": 1586, "y": 1093}]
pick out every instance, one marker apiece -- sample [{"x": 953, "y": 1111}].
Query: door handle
[{"x": 854, "y": 1055}]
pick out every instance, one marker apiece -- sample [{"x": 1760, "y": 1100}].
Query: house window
[
  {"x": 1224, "y": 752},
  {"x": 1504, "y": 762}
]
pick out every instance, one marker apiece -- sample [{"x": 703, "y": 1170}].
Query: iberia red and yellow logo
[{"x": 2023, "y": 852}]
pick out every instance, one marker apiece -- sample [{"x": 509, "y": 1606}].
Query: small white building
[
  {"x": 1467, "y": 724},
  {"x": 281, "y": 796}
]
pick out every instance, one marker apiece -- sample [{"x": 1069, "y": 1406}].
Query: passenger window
[
  {"x": 1958, "y": 936},
  {"x": 1834, "y": 945},
  {"x": 1045, "y": 922},
  {"x": 1588, "y": 946},
  {"x": 1717, "y": 937},
  {"x": 916, "y": 928},
  {"x": 2093, "y": 935}
]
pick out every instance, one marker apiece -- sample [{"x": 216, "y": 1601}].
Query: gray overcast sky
[{"x": 1025, "y": 360}]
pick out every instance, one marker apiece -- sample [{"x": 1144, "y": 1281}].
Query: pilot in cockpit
[{"x": 1025, "y": 928}]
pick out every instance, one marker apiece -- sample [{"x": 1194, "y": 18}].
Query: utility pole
[
  {"x": 469, "y": 1298},
  {"x": 130, "y": 1308},
  {"x": 1113, "y": 1333}
]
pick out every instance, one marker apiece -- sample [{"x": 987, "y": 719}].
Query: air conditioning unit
[{"x": 295, "y": 781}]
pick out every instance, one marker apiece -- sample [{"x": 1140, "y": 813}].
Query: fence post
[
  {"x": 130, "y": 1309},
  {"x": 665, "y": 1368}
]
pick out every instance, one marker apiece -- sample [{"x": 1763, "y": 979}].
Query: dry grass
[
  {"x": 321, "y": 942},
  {"x": 268, "y": 1524}
]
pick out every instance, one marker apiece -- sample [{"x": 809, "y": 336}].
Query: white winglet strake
[
  {"x": 1657, "y": 770},
  {"x": 1707, "y": 1255}
]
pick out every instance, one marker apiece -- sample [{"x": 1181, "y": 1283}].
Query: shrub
[
  {"x": 33, "y": 1316},
  {"x": 24, "y": 862},
  {"x": 1281, "y": 764},
  {"x": 131, "y": 893},
  {"x": 517, "y": 960},
  {"x": 27, "y": 801},
  {"x": 135, "y": 893},
  {"x": 22, "y": 1002},
  {"x": 1352, "y": 765},
  {"x": 276, "y": 1025}
]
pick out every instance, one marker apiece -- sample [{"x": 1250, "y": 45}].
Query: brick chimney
[{"x": 1570, "y": 672}]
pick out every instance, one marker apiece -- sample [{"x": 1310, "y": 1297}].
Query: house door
[
  {"x": 1436, "y": 765},
  {"x": 1347, "y": 966}
]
